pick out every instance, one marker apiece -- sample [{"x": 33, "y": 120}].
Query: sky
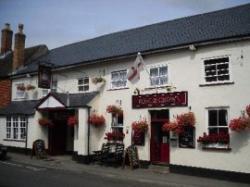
[{"x": 61, "y": 22}]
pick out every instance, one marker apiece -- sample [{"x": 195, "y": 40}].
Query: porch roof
[
  {"x": 19, "y": 107},
  {"x": 70, "y": 100}
]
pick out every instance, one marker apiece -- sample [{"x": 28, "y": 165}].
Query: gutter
[{"x": 147, "y": 52}]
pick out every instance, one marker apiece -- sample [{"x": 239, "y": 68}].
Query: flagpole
[{"x": 139, "y": 54}]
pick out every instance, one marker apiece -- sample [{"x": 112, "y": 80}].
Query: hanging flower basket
[
  {"x": 186, "y": 119},
  {"x": 222, "y": 138},
  {"x": 45, "y": 122},
  {"x": 30, "y": 87},
  {"x": 97, "y": 80},
  {"x": 241, "y": 123},
  {"x": 140, "y": 126},
  {"x": 21, "y": 87},
  {"x": 97, "y": 120},
  {"x": 114, "y": 110},
  {"x": 72, "y": 121},
  {"x": 181, "y": 121},
  {"x": 114, "y": 136}
]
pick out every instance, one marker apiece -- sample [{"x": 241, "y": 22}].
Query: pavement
[{"x": 153, "y": 175}]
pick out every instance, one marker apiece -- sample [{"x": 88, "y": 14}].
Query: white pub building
[{"x": 195, "y": 65}]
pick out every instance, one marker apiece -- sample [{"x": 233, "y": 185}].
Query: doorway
[
  {"x": 61, "y": 136},
  {"x": 159, "y": 142}
]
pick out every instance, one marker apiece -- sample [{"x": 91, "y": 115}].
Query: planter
[
  {"x": 115, "y": 110},
  {"x": 72, "y": 121},
  {"x": 97, "y": 120}
]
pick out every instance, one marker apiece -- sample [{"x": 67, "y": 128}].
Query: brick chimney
[
  {"x": 18, "y": 58},
  {"x": 6, "y": 39}
]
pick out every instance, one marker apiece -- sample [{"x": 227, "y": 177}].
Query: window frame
[
  {"x": 16, "y": 127},
  {"x": 83, "y": 84},
  {"x": 159, "y": 76},
  {"x": 217, "y": 81},
  {"x": 119, "y": 79}
]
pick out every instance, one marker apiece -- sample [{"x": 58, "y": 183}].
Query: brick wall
[{"x": 5, "y": 92}]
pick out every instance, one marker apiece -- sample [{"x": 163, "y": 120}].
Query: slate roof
[
  {"x": 213, "y": 26},
  {"x": 77, "y": 99},
  {"x": 19, "y": 107},
  {"x": 30, "y": 54}
]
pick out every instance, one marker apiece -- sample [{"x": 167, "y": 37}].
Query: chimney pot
[
  {"x": 18, "y": 57},
  {"x": 20, "y": 28},
  {"x": 6, "y": 39}
]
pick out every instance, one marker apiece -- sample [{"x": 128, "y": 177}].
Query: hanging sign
[
  {"x": 44, "y": 77},
  {"x": 160, "y": 100}
]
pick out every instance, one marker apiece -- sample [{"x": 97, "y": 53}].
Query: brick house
[{"x": 10, "y": 60}]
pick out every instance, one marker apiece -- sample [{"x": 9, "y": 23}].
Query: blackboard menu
[
  {"x": 132, "y": 154},
  {"x": 186, "y": 139}
]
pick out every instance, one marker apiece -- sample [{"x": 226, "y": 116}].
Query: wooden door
[{"x": 57, "y": 138}]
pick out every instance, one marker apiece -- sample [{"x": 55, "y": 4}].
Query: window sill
[
  {"x": 13, "y": 140},
  {"x": 158, "y": 87},
  {"x": 216, "y": 149},
  {"x": 115, "y": 89},
  {"x": 216, "y": 84}
]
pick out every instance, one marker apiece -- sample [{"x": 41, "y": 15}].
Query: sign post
[{"x": 44, "y": 77}]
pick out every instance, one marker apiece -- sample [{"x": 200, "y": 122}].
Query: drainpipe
[
  {"x": 26, "y": 140},
  {"x": 88, "y": 158}
]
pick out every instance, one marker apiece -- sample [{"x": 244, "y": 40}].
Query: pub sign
[
  {"x": 44, "y": 77},
  {"x": 160, "y": 100}
]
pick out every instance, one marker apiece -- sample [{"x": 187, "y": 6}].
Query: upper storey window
[
  {"x": 118, "y": 79},
  {"x": 83, "y": 84},
  {"x": 217, "y": 70},
  {"x": 20, "y": 91},
  {"x": 159, "y": 76}
]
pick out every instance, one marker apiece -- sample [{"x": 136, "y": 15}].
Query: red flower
[
  {"x": 115, "y": 135},
  {"x": 248, "y": 110},
  {"x": 140, "y": 126},
  {"x": 114, "y": 110},
  {"x": 186, "y": 119},
  {"x": 172, "y": 126},
  {"x": 239, "y": 124},
  {"x": 21, "y": 87},
  {"x": 221, "y": 137},
  {"x": 97, "y": 120},
  {"x": 72, "y": 121},
  {"x": 30, "y": 87},
  {"x": 45, "y": 122}
]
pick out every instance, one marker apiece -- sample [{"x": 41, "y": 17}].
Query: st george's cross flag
[{"x": 134, "y": 71}]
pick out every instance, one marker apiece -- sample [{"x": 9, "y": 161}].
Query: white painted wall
[{"x": 186, "y": 73}]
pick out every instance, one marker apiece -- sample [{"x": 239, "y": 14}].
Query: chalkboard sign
[
  {"x": 39, "y": 149},
  {"x": 186, "y": 139},
  {"x": 132, "y": 154}
]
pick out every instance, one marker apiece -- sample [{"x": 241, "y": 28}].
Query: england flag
[{"x": 134, "y": 71}]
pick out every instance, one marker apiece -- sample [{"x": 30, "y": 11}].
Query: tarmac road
[{"x": 19, "y": 175}]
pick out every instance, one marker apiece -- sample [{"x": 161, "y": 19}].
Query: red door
[{"x": 159, "y": 144}]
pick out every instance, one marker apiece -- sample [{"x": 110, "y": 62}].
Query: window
[
  {"x": 117, "y": 123},
  {"x": 218, "y": 121},
  {"x": 159, "y": 76},
  {"x": 119, "y": 79},
  {"x": 83, "y": 84},
  {"x": 20, "y": 90},
  {"x": 217, "y": 70},
  {"x": 54, "y": 86},
  {"x": 16, "y": 127}
]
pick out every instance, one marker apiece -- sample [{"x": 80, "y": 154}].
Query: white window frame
[
  {"x": 217, "y": 81},
  {"x": 207, "y": 119},
  {"x": 45, "y": 92},
  {"x": 112, "y": 85},
  {"x": 16, "y": 127},
  {"x": 17, "y": 91},
  {"x": 159, "y": 76},
  {"x": 83, "y": 84}
]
